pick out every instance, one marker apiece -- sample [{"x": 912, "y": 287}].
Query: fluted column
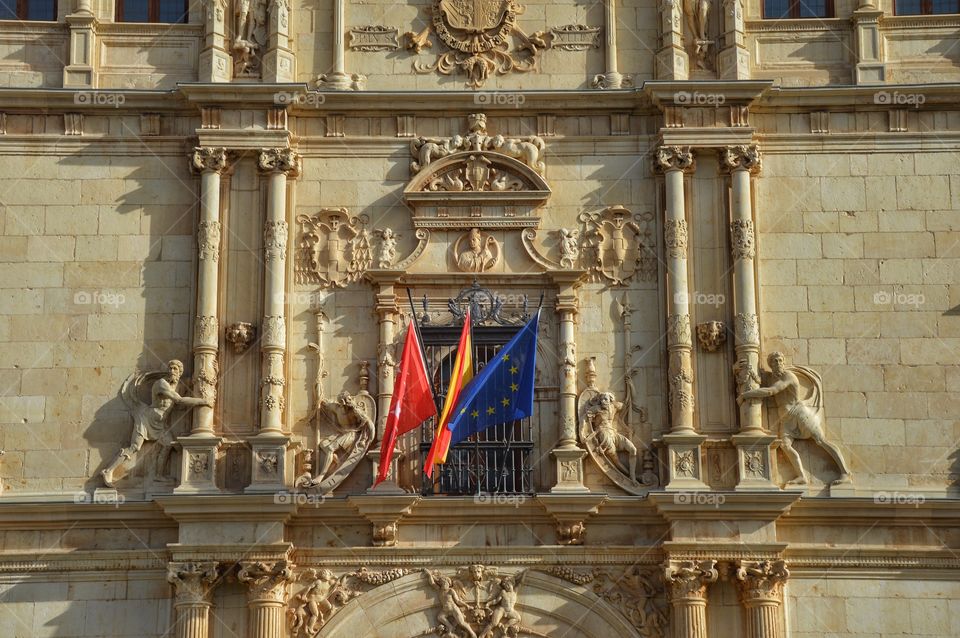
[
  {"x": 760, "y": 584},
  {"x": 754, "y": 444},
  {"x": 684, "y": 461},
  {"x": 193, "y": 583},
  {"x": 266, "y": 597},
  {"x": 269, "y": 446},
  {"x": 612, "y": 79},
  {"x": 687, "y": 583}
]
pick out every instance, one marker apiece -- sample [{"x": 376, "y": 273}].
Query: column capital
[
  {"x": 741, "y": 157},
  {"x": 688, "y": 579},
  {"x": 266, "y": 581},
  {"x": 192, "y": 582},
  {"x": 207, "y": 159},
  {"x": 761, "y": 580},
  {"x": 673, "y": 158},
  {"x": 279, "y": 160}
]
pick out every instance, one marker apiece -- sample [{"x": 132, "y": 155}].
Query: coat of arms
[{"x": 477, "y": 32}]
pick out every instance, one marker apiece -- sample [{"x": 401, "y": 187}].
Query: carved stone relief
[
  {"x": 344, "y": 429},
  {"x": 373, "y": 38},
  {"x": 249, "y": 37},
  {"x": 742, "y": 239},
  {"x": 325, "y": 594},
  {"x": 333, "y": 249},
  {"x": 761, "y": 581},
  {"x": 479, "y": 36},
  {"x": 605, "y": 430},
  {"x": 688, "y": 579},
  {"x": 240, "y": 334},
  {"x": 711, "y": 335},
  {"x": 191, "y": 581},
  {"x": 575, "y": 37},
  {"x": 266, "y": 581},
  {"x": 617, "y": 245},
  {"x": 477, "y": 602},
  {"x": 151, "y": 420},
  {"x": 798, "y": 393},
  {"x": 387, "y": 247},
  {"x": 480, "y": 254}
]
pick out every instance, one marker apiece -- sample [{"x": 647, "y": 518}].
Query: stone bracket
[
  {"x": 571, "y": 511},
  {"x": 384, "y": 514}
]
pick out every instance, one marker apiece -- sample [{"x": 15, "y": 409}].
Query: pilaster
[
  {"x": 216, "y": 65},
  {"x": 672, "y": 60},
  {"x": 81, "y": 72},
  {"x": 870, "y": 66},
  {"x": 733, "y": 59},
  {"x": 278, "y": 61}
]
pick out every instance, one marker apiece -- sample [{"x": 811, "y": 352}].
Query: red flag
[{"x": 412, "y": 402}]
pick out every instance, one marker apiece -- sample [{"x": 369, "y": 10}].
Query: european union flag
[{"x": 503, "y": 391}]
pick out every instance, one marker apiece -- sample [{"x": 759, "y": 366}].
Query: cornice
[
  {"x": 244, "y": 508},
  {"x": 229, "y": 553},
  {"x": 57, "y": 515},
  {"x": 707, "y": 137},
  {"x": 156, "y": 30},
  {"x": 795, "y": 25},
  {"x": 866, "y": 562},
  {"x": 866, "y": 511},
  {"x": 81, "y": 561},
  {"x": 891, "y": 23},
  {"x": 725, "y": 506},
  {"x": 822, "y": 98},
  {"x": 734, "y": 92},
  {"x": 859, "y": 142},
  {"x": 53, "y": 101}
]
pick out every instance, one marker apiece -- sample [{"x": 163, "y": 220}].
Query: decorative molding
[
  {"x": 742, "y": 239},
  {"x": 675, "y": 237},
  {"x": 528, "y": 150}
]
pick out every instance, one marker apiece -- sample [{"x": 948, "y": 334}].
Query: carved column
[
  {"x": 760, "y": 584},
  {"x": 568, "y": 455},
  {"x": 200, "y": 447},
  {"x": 612, "y": 79},
  {"x": 753, "y": 443},
  {"x": 387, "y": 315},
  {"x": 269, "y": 445},
  {"x": 733, "y": 60},
  {"x": 278, "y": 61},
  {"x": 338, "y": 79},
  {"x": 266, "y": 596},
  {"x": 672, "y": 61},
  {"x": 684, "y": 461},
  {"x": 192, "y": 583},
  {"x": 81, "y": 71},
  {"x": 687, "y": 583},
  {"x": 216, "y": 64}
]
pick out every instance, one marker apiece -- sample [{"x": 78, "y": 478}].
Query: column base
[
  {"x": 672, "y": 63},
  {"x": 389, "y": 485},
  {"x": 198, "y": 464},
  {"x": 268, "y": 463},
  {"x": 216, "y": 65},
  {"x": 569, "y": 471},
  {"x": 278, "y": 66},
  {"x": 684, "y": 462},
  {"x": 341, "y": 82},
  {"x": 755, "y": 462}
]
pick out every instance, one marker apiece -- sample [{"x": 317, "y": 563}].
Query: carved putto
[
  {"x": 798, "y": 393},
  {"x": 333, "y": 249},
  {"x": 151, "y": 421},
  {"x": 478, "y": 34},
  {"x": 387, "y": 249},
  {"x": 605, "y": 430},
  {"x": 345, "y": 430},
  {"x": 482, "y": 252},
  {"x": 477, "y": 602}
]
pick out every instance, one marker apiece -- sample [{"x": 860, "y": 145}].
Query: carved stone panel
[{"x": 333, "y": 248}]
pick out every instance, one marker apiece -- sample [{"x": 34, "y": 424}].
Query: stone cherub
[
  {"x": 451, "y": 615},
  {"x": 802, "y": 418},
  {"x": 313, "y": 605},
  {"x": 387, "y": 253},
  {"x": 569, "y": 247},
  {"x": 503, "y": 605},
  {"x": 151, "y": 421}
]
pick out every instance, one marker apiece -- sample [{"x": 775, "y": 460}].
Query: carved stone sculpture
[
  {"x": 617, "y": 245},
  {"x": 602, "y": 419},
  {"x": 151, "y": 421},
  {"x": 266, "y": 581},
  {"x": 249, "y": 37},
  {"x": 528, "y": 150},
  {"x": 697, "y": 13},
  {"x": 387, "y": 251},
  {"x": 477, "y": 603},
  {"x": 240, "y": 335},
  {"x": 711, "y": 335},
  {"x": 478, "y": 34},
  {"x": 762, "y": 580},
  {"x": 192, "y": 581},
  {"x": 569, "y": 247},
  {"x": 325, "y": 594},
  {"x": 575, "y": 37},
  {"x": 798, "y": 391},
  {"x": 481, "y": 254},
  {"x": 345, "y": 430},
  {"x": 333, "y": 249}
]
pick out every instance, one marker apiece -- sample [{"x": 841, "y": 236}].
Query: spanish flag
[{"x": 462, "y": 373}]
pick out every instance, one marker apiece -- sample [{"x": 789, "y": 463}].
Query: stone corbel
[
  {"x": 571, "y": 511},
  {"x": 384, "y": 513}
]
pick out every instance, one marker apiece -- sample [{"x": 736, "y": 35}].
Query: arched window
[
  {"x": 151, "y": 10},
  {"x": 28, "y": 9}
]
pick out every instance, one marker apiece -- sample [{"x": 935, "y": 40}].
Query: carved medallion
[{"x": 479, "y": 254}]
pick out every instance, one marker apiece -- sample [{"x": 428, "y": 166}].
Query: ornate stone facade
[{"x": 215, "y": 235}]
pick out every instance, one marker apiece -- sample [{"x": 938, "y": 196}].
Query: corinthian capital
[
  {"x": 745, "y": 157},
  {"x": 762, "y": 581},
  {"x": 266, "y": 581},
  {"x": 673, "y": 158},
  {"x": 688, "y": 579},
  {"x": 192, "y": 581},
  {"x": 279, "y": 160},
  {"x": 206, "y": 158}
]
